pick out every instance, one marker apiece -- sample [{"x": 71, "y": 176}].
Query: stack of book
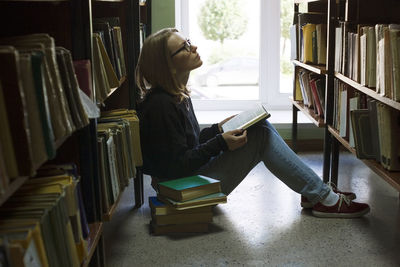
[{"x": 185, "y": 205}]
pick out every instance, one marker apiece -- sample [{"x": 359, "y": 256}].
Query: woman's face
[{"x": 184, "y": 55}]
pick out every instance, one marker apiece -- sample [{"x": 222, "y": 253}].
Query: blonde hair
[{"x": 154, "y": 67}]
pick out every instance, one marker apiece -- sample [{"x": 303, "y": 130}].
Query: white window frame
[{"x": 273, "y": 99}]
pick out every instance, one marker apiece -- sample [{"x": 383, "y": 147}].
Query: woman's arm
[{"x": 210, "y": 132}]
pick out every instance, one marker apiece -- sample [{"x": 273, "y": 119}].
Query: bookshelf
[
  {"x": 303, "y": 100},
  {"x": 343, "y": 70},
  {"x": 369, "y": 13},
  {"x": 70, "y": 23}
]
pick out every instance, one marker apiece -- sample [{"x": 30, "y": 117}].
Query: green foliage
[
  {"x": 222, "y": 19},
  {"x": 286, "y": 67},
  {"x": 286, "y": 17}
]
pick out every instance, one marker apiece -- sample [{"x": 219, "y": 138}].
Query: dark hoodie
[{"x": 172, "y": 144}]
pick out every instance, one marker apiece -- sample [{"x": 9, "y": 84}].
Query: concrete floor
[{"x": 263, "y": 225}]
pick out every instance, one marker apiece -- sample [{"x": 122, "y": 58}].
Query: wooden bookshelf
[
  {"x": 70, "y": 23},
  {"x": 95, "y": 232},
  {"x": 113, "y": 90},
  {"x": 393, "y": 178},
  {"x": 368, "y": 91},
  {"x": 317, "y": 69},
  {"x": 61, "y": 141},
  {"x": 314, "y": 118},
  {"x": 108, "y": 215},
  {"x": 12, "y": 188}
]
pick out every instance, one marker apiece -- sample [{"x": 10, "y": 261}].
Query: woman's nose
[{"x": 194, "y": 48}]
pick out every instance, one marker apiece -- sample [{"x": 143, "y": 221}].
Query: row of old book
[
  {"x": 371, "y": 127},
  {"x": 109, "y": 31},
  {"x": 109, "y": 66},
  {"x": 40, "y": 102},
  {"x": 308, "y": 38},
  {"x": 119, "y": 151},
  {"x": 310, "y": 89},
  {"x": 45, "y": 96},
  {"x": 185, "y": 205},
  {"x": 369, "y": 55},
  {"x": 44, "y": 222}
]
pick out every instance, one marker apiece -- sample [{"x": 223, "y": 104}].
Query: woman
[{"x": 173, "y": 145}]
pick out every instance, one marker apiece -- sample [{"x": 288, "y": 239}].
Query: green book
[
  {"x": 208, "y": 200},
  {"x": 187, "y": 188}
]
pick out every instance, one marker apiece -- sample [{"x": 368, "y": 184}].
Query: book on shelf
[
  {"x": 112, "y": 78},
  {"x": 304, "y": 87},
  {"x": 46, "y": 205},
  {"x": 207, "y": 200},
  {"x": 49, "y": 98},
  {"x": 304, "y": 39},
  {"x": 187, "y": 188},
  {"x": 131, "y": 116},
  {"x": 83, "y": 72},
  {"x": 362, "y": 133},
  {"x": 69, "y": 169},
  {"x": 308, "y": 30},
  {"x": 321, "y": 43},
  {"x": 36, "y": 131},
  {"x": 46, "y": 117},
  {"x": 372, "y": 108},
  {"x": 62, "y": 125},
  {"x": 316, "y": 94},
  {"x": 246, "y": 118},
  {"x": 353, "y": 105},
  {"x": 7, "y": 148},
  {"x": 103, "y": 27},
  {"x": 107, "y": 196},
  {"x": 380, "y": 52},
  {"x": 4, "y": 178},
  {"x": 343, "y": 113},
  {"x": 394, "y": 36},
  {"x": 298, "y": 90},
  {"x": 120, "y": 128},
  {"x": 15, "y": 104},
  {"x": 111, "y": 29},
  {"x": 389, "y": 129},
  {"x": 338, "y": 47},
  {"x": 24, "y": 244},
  {"x": 71, "y": 86}
]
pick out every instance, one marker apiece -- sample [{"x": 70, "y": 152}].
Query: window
[{"x": 241, "y": 66}]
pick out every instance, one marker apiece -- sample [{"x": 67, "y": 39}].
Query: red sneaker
[
  {"x": 305, "y": 203},
  {"x": 344, "y": 208}
]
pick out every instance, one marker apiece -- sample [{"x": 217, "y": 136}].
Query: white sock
[{"x": 331, "y": 199}]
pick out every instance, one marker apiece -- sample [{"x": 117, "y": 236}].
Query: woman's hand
[
  {"x": 235, "y": 139},
  {"x": 222, "y": 122}
]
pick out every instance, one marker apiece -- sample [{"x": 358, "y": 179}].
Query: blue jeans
[{"x": 266, "y": 145}]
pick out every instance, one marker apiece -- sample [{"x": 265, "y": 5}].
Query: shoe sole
[
  {"x": 340, "y": 215},
  {"x": 306, "y": 205}
]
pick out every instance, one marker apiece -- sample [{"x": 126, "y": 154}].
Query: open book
[{"x": 246, "y": 118}]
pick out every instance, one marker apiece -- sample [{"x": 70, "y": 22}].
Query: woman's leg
[{"x": 266, "y": 145}]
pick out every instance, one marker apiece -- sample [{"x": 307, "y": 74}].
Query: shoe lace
[
  {"x": 332, "y": 185},
  {"x": 345, "y": 199}
]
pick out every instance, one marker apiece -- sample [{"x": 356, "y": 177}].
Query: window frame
[{"x": 269, "y": 61}]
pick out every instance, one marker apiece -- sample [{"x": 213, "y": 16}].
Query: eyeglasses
[{"x": 186, "y": 46}]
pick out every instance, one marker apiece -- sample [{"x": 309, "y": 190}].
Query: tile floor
[{"x": 263, "y": 225}]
